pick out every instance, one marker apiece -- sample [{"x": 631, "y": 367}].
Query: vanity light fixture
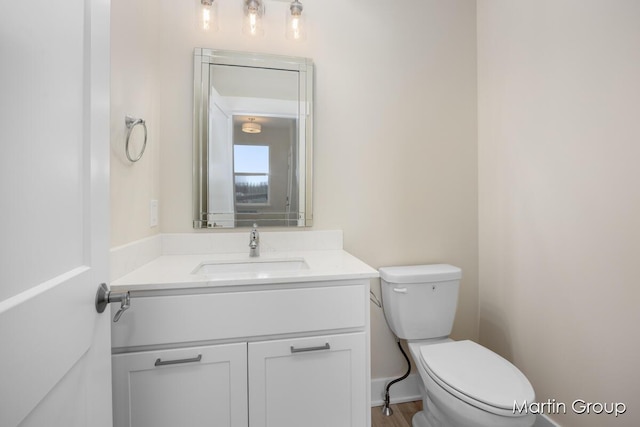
[
  {"x": 208, "y": 15},
  {"x": 295, "y": 22},
  {"x": 251, "y": 126},
  {"x": 252, "y": 23}
]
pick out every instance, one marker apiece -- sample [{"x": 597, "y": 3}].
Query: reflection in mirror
[{"x": 252, "y": 140}]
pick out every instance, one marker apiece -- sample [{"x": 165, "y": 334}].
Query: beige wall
[
  {"x": 559, "y": 146},
  {"x": 135, "y": 91},
  {"x": 395, "y": 167},
  {"x": 395, "y": 151}
]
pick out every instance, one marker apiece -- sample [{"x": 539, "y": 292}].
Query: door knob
[{"x": 104, "y": 296}]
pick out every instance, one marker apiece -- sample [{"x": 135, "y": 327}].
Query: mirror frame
[{"x": 203, "y": 58}]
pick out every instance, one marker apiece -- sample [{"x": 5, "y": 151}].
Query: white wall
[
  {"x": 395, "y": 140},
  {"x": 559, "y": 145}
]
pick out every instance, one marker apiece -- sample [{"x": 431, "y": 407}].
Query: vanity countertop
[{"x": 177, "y": 271}]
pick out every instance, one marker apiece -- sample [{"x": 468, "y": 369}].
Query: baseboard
[
  {"x": 404, "y": 391},
  {"x": 544, "y": 421}
]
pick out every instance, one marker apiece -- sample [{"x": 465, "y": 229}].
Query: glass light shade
[
  {"x": 207, "y": 15},
  {"x": 295, "y": 27},
  {"x": 251, "y": 127},
  {"x": 252, "y": 22}
]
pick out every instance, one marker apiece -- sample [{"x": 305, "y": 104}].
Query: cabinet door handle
[
  {"x": 400, "y": 290},
  {"x": 326, "y": 346},
  {"x": 160, "y": 362}
]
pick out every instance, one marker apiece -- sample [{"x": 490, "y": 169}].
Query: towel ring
[{"x": 132, "y": 122}]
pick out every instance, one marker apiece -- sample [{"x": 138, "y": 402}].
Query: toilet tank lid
[{"x": 420, "y": 273}]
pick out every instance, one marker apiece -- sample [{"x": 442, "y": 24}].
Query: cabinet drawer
[{"x": 191, "y": 318}]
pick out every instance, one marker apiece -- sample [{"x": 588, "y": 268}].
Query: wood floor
[{"x": 401, "y": 417}]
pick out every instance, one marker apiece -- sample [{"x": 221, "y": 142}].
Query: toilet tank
[{"x": 420, "y": 301}]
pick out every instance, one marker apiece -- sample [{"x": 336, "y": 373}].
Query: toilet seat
[{"x": 477, "y": 376}]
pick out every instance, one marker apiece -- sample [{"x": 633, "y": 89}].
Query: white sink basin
[{"x": 253, "y": 266}]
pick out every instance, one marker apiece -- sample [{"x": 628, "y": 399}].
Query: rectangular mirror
[{"x": 253, "y": 140}]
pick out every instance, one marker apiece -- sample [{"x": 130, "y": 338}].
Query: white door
[{"x": 54, "y": 171}]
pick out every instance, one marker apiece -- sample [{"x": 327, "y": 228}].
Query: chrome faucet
[{"x": 254, "y": 242}]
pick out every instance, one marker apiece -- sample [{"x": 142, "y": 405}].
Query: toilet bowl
[
  {"x": 466, "y": 384},
  {"x": 463, "y": 384}
]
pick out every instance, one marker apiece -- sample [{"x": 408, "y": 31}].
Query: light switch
[{"x": 153, "y": 213}]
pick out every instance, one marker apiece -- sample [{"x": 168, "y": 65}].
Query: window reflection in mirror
[
  {"x": 252, "y": 140},
  {"x": 251, "y": 174}
]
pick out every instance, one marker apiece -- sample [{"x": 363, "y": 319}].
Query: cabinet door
[
  {"x": 311, "y": 382},
  {"x": 195, "y": 387}
]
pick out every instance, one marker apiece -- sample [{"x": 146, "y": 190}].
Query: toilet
[{"x": 463, "y": 384}]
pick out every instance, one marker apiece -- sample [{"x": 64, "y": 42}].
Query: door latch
[{"x": 104, "y": 296}]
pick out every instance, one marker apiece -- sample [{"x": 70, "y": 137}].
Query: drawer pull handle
[
  {"x": 160, "y": 362},
  {"x": 326, "y": 346},
  {"x": 400, "y": 290}
]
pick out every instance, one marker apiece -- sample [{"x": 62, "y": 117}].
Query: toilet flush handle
[{"x": 400, "y": 290}]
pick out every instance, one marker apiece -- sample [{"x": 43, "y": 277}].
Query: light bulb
[
  {"x": 295, "y": 27},
  {"x": 206, "y": 18},
  {"x": 253, "y": 23}
]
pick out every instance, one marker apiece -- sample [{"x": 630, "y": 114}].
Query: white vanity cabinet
[{"x": 270, "y": 355}]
